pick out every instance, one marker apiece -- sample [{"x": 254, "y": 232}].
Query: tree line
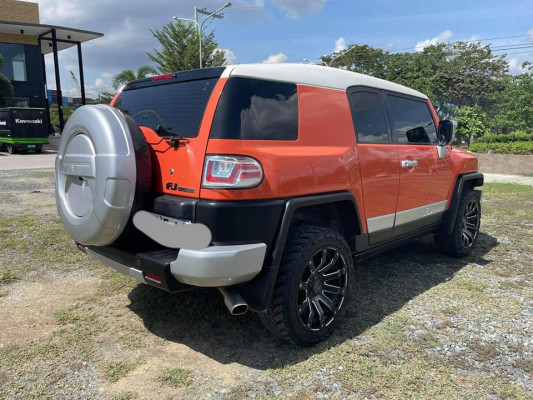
[{"x": 464, "y": 80}]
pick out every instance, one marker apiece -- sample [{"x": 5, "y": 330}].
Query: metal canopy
[
  {"x": 66, "y": 37},
  {"x": 52, "y": 39}
]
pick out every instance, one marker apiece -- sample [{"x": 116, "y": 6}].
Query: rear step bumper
[{"x": 173, "y": 270}]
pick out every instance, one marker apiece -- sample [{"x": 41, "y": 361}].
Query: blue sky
[{"x": 276, "y": 30}]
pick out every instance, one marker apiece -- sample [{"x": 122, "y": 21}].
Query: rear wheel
[
  {"x": 461, "y": 240},
  {"x": 10, "y": 149},
  {"x": 312, "y": 286}
]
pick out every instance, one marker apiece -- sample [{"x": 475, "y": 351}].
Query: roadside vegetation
[
  {"x": 418, "y": 324},
  {"x": 465, "y": 81}
]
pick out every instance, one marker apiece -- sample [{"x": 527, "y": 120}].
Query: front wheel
[
  {"x": 312, "y": 286},
  {"x": 461, "y": 240}
]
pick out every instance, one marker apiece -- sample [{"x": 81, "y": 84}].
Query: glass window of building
[{"x": 14, "y": 61}]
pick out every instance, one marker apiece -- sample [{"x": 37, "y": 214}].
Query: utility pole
[{"x": 199, "y": 26}]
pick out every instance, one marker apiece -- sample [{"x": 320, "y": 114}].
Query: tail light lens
[{"x": 231, "y": 172}]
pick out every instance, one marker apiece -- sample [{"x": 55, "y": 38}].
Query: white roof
[{"x": 315, "y": 75}]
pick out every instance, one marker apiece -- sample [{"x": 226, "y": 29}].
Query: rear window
[
  {"x": 255, "y": 109},
  {"x": 169, "y": 109}
]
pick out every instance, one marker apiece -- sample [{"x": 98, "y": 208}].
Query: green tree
[
  {"x": 54, "y": 116},
  {"x": 454, "y": 75},
  {"x": 473, "y": 74},
  {"x": 179, "y": 48},
  {"x": 513, "y": 106},
  {"x": 472, "y": 123},
  {"x": 128, "y": 75},
  {"x": 6, "y": 88}
]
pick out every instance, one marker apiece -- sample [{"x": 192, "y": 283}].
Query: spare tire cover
[{"x": 95, "y": 175}]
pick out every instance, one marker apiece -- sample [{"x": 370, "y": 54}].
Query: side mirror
[{"x": 446, "y": 133}]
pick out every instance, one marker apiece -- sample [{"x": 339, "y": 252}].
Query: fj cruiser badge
[{"x": 175, "y": 186}]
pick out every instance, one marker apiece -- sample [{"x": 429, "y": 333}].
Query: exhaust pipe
[{"x": 233, "y": 301}]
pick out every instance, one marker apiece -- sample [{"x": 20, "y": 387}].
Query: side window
[
  {"x": 411, "y": 120},
  {"x": 369, "y": 118},
  {"x": 255, "y": 109}
]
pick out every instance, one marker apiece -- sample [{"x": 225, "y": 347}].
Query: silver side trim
[
  {"x": 379, "y": 223},
  {"x": 404, "y": 217},
  {"x": 219, "y": 265},
  {"x": 123, "y": 269}
]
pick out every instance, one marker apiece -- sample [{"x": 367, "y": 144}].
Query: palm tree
[{"x": 128, "y": 75}]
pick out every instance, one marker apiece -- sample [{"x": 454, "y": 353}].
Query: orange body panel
[
  {"x": 427, "y": 183},
  {"x": 187, "y": 161},
  {"x": 323, "y": 159},
  {"x": 380, "y": 175}
]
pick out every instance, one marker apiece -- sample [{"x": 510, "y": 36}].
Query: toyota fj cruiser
[{"x": 265, "y": 181}]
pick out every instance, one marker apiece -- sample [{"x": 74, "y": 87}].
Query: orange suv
[{"x": 265, "y": 181}]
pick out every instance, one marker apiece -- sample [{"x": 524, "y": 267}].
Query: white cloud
[
  {"x": 340, "y": 45},
  {"x": 275, "y": 58},
  {"x": 125, "y": 23},
  {"x": 474, "y": 38},
  {"x": 441, "y": 37},
  {"x": 530, "y": 35},
  {"x": 231, "y": 58},
  {"x": 295, "y": 10},
  {"x": 389, "y": 46}
]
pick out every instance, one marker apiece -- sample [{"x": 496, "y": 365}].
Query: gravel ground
[
  {"x": 503, "y": 178},
  {"x": 418, "y": 324}
]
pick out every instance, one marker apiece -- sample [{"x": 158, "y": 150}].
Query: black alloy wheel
[{"x": 322, "y": 288}]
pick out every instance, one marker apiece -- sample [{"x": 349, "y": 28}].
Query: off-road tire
[
  {"x": 460, "y": 242},
  {"x": 282, "y": 317}
]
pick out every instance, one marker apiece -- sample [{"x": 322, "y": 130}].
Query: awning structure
[{"x": 52, "y": 39}]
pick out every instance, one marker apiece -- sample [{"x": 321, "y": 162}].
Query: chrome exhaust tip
[{"x": 233, "y": 301}]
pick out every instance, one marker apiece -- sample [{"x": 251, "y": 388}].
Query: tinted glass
[
  {"x": 175, "y": 108},
  {"x": 411, "y": 120},
  {"x": 258, "y": 110},
  {"x": 369, "y": 118},
  {"x": 14, "y": 61}
]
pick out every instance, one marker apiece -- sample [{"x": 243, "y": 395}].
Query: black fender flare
[
  {"x": 448, "y": 220},
  {"x": 258, "y": 292}
]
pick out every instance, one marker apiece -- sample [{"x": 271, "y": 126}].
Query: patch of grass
[
  {"x": 525, "y": 364},
  {"x": 115, "y": 370},
  {"x": 7, "y": 275},
  {"x": 485, "y": 351},
  {"x": 507, "y": 191},
  {"x": 177, "y": 377},
  {"x": 43, "y": 174},
  {"x": 4, "y": 293},
  {"x": 114, "y": 283},
  {"x": 68, "y": 316}
]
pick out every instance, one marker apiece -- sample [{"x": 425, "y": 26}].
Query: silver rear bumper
[
  {"x": 219, "y": 265},
  {"x": 213, "y": 266}
]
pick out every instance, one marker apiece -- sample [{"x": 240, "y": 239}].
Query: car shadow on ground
[{"x": 381, "y": 285}]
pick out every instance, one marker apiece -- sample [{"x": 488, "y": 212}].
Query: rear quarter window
[{"x": 256, "y": 109}]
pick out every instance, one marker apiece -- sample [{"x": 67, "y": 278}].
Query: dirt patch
[{"x": 28, "y": 309}]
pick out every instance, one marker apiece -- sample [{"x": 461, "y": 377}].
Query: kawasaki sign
[{"x": 28, "y": 121}]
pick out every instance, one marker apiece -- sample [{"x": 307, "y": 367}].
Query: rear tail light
[{"x": 231, "y": 172}]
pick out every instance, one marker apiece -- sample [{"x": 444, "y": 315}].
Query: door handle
[{"x": 409, "y": 163}]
